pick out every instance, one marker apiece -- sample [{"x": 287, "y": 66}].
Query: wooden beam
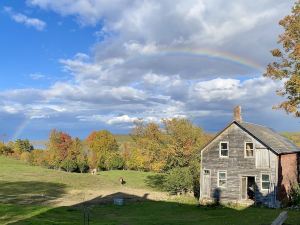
[{"x": 281, "y": 218}]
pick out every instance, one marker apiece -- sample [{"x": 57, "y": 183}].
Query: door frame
[
  {"x": 202, "y": 185},
  {"x": 241, "y": 183}
]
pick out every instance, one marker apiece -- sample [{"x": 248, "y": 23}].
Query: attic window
[
  {"x": 224, "y": 149},
  {"x": 249, "y": 149}
]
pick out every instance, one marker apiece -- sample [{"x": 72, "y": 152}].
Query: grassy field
[{"x": 34, "y": 195}]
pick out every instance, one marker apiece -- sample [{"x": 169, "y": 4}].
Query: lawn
[{"x": 34, "y": 195}]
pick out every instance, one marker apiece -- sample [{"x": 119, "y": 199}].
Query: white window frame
[
  {"x": 222, "y": 171},
  {"x": 220, "y": 144},
  {"x": 261, "y": 181},
  {"x": 208, "y": 171},
  {"x": 245, "y": 155}
]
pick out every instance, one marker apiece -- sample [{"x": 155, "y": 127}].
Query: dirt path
[{"x": 75, "y": 197}]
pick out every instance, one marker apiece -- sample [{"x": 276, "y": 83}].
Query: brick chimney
[{"x": 237, "y": 113}]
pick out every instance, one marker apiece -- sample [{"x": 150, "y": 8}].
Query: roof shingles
[{"x": 269, "y": 137}]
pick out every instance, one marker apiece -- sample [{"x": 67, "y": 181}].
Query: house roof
[{"x": 269, "y": 137}]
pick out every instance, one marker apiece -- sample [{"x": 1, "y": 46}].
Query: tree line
[{"x": 152, "y": 148}]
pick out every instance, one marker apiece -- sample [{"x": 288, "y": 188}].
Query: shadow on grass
[
  {"x": 142, "y": 211},
  {"x": 30, "y": 192},
  {"x": 156, "y": 181}
]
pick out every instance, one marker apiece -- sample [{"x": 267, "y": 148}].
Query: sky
[{"x": 84, "y": 65}]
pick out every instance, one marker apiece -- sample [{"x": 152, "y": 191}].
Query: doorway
[
  {"x": 206, "y": 184},
  {"x": 248, "y": 188}
]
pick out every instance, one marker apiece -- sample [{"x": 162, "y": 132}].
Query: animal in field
[
  {"x": 94, "y": 171},
  {"x": 122, "y": 181}
]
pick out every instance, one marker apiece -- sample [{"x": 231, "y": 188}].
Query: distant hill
[
  {"x": 293, "y": 136},
  {"x": 122, "y": 138}
]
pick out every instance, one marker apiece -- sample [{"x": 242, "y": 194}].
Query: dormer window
[
  {"x": 224, "y": 149},
  {"x": 249, "y": 149}
]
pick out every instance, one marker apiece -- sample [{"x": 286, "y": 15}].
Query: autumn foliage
[
  {"x": 286, "y": 66},
  {"x": 174, "y": 143}
]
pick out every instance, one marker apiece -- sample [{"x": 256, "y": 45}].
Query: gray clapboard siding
[{"x": 236, "y": 165}]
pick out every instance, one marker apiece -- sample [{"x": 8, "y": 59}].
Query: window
[
  {"x": 224, "y": 149},
  {"x": 206, "y": 172},
  {"x": 222, "y": 179},
  {"x": 265, "y": 181},
  {"x": 249, "y": 149}
]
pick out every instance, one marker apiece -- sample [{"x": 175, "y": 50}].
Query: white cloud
[
  {"x": 37, "y": 76},
  {"x": 122, "y": 119},
  {"x": 27, "y": 21},
  {"x": 159, "y": 59}
]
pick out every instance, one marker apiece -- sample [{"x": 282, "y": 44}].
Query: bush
[
  {"x": 69, "y": 165},
  {"x": 294, "y": 195},
  {"x": 114, "y": 161},
  {"x": 5, "y": 150},
  {"x": 26, "y": 157},
  {"x": 179, "y": 181},
  {"x": 82, "y": 163}
]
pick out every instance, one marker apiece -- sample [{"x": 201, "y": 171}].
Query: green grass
[
  {"x": 155, "y": 213},
  {"x": 13, "y": 170},
  {"x": 27, "y": 194}
]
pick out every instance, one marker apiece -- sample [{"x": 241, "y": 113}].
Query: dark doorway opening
[{"x": 248, "y": 188}]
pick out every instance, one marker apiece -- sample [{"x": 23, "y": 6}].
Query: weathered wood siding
[{"x": 237, "y": 165}]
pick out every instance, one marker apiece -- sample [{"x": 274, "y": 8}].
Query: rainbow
[
  {"x": 203, "y": 52},
  {"x": 20, "y": 128},
  {"x": 212, "y": 53}
]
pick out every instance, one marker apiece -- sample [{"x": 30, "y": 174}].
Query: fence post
[{"x": 281, "y": 218}]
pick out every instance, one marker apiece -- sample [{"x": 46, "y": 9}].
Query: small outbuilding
[{"x": 248, "y": 163}]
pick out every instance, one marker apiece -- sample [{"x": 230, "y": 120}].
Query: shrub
[
  {"x": 26, "y": 157},
  {"x": 82, "y": 163},
  {"x": 5, "y": 150},
  {"x": 114, "y": 161},
  {"x": 69, "y": 165},
  {"x": 179, "y": 181},
  {"x": 294, "y": 195}
]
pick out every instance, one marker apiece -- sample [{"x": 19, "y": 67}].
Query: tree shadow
[
  {"x": 156, "y": 181},
  {"x": 30, "y": 192}
]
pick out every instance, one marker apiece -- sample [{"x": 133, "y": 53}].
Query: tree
[
  {"x": 58, "y": 146},
  {"x": 184, "y": 142},
  {"x": 150, "y": 144},
  {"x": 21, "y": 146},
  {"x": 101, "y": 144},
  {"x": 179, "y": 180},
  {"x": 287, "y": 65},
  {"x": 5, "y": 150}
]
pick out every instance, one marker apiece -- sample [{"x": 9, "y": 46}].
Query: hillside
[
  {"x": 34, "y": 195},
  {"x": 293, "y": 136}
]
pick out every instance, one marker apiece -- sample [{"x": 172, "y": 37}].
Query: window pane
[
  {"x": 222, "y": 175},
  {"x": 206, "y": 172},
  {"x": 249, "y": 146},
  {"x": 224, "y": 152},
  {"x": 249, "y": 153},
  {"x": 222, "y": 183},
  {"x": 265, "y": 177},
  {"x": 265, "y": 185},
  {"x": 224, "y": 145}
]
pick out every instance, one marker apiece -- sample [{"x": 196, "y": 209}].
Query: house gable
[{"x": 236, "y": 165}]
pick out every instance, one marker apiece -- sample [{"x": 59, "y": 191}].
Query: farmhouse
[{"x": 248, "y": 163}]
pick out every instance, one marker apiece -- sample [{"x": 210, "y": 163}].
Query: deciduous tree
[{"x": 287, "y": 64}]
